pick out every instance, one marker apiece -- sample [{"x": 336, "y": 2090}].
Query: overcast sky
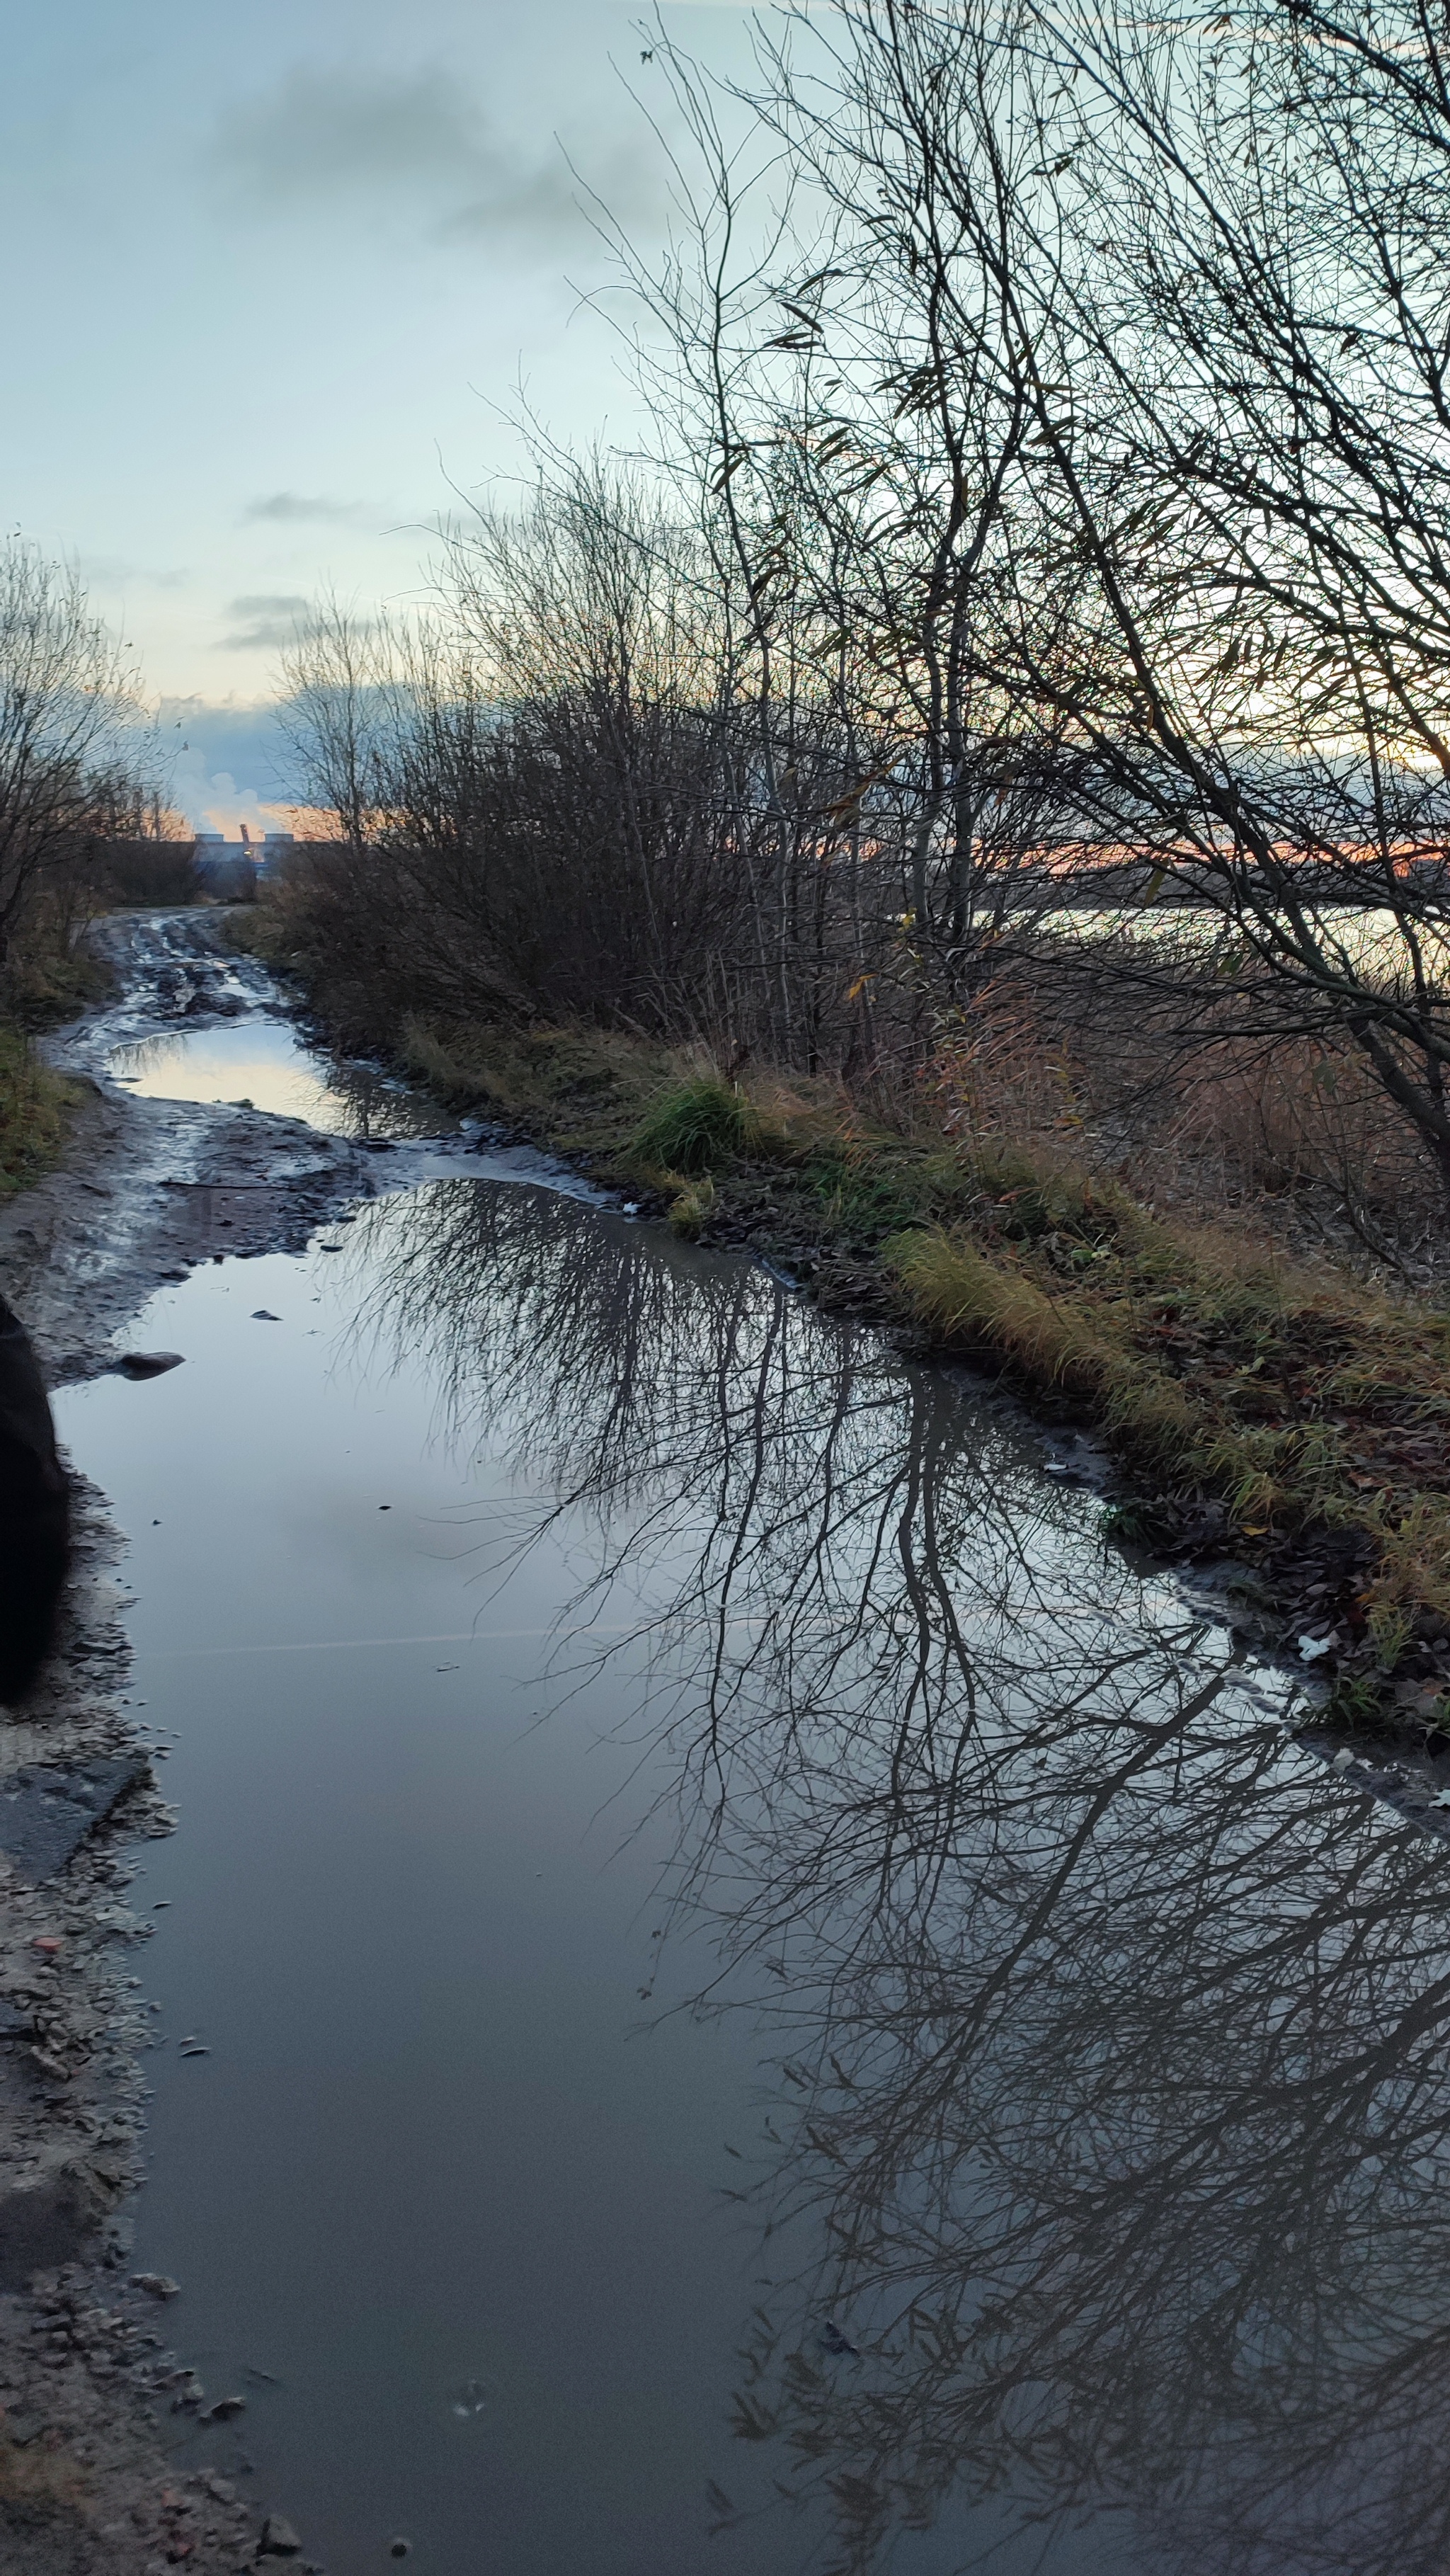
[{"x": 268, "y": 270}]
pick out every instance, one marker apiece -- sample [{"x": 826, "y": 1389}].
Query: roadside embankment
[{"x": 1281, "y": 1412}]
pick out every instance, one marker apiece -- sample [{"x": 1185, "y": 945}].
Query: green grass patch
[{"x": 696, "y": 1127}]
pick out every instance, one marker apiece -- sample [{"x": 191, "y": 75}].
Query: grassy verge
[
  {"x": 1295, "y": 1418},
  {"x": 35, "y": 1106},
  {"x": 46, "y": 979}
]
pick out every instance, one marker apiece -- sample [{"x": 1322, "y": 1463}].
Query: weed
[
  {"x": 1353, "y": 1707},
  {"x": 692, "y": 1204},
  {"x": 696, "y": 1127}
]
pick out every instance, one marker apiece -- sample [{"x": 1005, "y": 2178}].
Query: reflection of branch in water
[{"x": 1116, "y": 2026}]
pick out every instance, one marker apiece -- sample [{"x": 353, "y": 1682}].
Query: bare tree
[
  {"x": 338, "y": 677},
  {"x": 1166, "y": 304},
  {"x": 68, "y": 720}
]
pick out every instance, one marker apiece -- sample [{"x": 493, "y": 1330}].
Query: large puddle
[
  {"x": 770, "y": 2005},
  {"x": 254, "y": 1062}
]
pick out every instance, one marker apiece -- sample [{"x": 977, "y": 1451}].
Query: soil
[{"x": 88, "y": 2386}]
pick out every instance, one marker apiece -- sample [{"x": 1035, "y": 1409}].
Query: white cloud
[{"x": 226, "y": 764}]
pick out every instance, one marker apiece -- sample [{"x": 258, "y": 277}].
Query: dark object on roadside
[
  {"x": 401, "y": 2549},
  {"x": 278, "y": 2540},
  {"x": 146, "y": 1363},
  {"x": 157, "y": 2285},
  {"x": 35, "y": 1504},
  {"x": 261, "y": 1315},
  {"x": 222, "y": 2411}
]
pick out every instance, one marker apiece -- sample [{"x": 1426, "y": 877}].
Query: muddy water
[{"x": 768, "y": 2004}]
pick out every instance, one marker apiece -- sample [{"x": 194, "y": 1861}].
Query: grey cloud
[
  {"x": 320, "y": 130},
  {"x": 290, "y": 506},
  {"x": 552, "y": 203},
  {"x": 117, "y": 572},
  {"x": 268, "y": 603},
  {"x": 416, "y": 140},
  {"x": 268, "y": 619}
]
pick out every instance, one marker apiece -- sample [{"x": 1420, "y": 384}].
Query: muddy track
[{"x": 91, "y": 2398}]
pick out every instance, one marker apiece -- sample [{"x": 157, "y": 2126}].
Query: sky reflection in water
[
  {"x": 1085, "y": 2042},
  {"x": 262, "y": 1062}
]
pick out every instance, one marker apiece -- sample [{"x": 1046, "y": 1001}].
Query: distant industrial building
[{"x": 262, "y": 851}]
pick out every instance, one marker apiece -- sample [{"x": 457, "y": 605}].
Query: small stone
[
  {"x": 278, "y": 2540},
  {"x": 261, "y": 1315},
  {"x": 148, "y": 1363},
  {"x": 223, "y": 2409},
  {"x": 157, "y": 2285},
  {"x": 401, "y": 2549}
]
